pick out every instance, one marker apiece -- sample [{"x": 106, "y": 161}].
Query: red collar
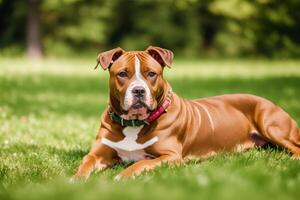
[
  {"x": 154, "y": 115},
  {"x": 161, "y": 109}
]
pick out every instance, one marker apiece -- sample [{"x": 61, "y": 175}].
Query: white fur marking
[
  {"x": 137, "y": 67},
  {"x": 128, "y": 148},
  {"x": 138, "y": 81}
]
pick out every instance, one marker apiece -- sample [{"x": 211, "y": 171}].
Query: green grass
[{"x": 49, "y": 116}]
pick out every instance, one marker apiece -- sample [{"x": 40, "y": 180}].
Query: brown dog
[{"x": 147, "y": 123}]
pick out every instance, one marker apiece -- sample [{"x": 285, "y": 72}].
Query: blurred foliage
[{"x": 189, "y": 27}]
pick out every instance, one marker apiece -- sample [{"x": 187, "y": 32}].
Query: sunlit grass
[
  {"x": 49, "y": 116},
  {"x": 181, "y": 68}
]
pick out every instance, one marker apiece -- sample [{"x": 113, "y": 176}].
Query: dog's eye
[
  {"x": 151, "y": 74},
  {"x": 123, "y": 74}
]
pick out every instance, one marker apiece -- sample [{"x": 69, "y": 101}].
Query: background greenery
[
  {"x": 189, "y": 27},
  {"x": 49, "y": 116}
]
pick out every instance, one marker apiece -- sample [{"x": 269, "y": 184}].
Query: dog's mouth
[{"x": 138, "y": 110}]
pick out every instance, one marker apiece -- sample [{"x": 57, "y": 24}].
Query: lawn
[{"x": 49, "y": 116}]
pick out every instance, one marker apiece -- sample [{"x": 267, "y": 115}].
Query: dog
[{"x": 149, "y": 124}]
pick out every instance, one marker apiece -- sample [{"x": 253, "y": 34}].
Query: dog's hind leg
[{"x": 278, "y": 127}]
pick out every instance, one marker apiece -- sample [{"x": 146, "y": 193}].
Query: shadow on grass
[{"x": 87, "y": 96}]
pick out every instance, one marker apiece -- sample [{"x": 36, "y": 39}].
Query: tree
[{"x": 33, "y": 31}]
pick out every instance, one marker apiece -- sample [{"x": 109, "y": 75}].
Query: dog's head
[{"x": 136, "y": 81}]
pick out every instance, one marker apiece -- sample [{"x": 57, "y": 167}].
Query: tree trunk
[{"x": 33, "y": 31}]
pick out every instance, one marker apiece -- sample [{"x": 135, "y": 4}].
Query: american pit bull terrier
[{"x": 146, "y": 122}]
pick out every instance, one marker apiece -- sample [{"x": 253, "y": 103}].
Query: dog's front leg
[
  {"x": 147, "y": 165},
  {"x": 98, "y": 159}
]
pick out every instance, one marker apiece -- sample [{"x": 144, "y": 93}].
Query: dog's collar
[{"x": 136, "y": 122}]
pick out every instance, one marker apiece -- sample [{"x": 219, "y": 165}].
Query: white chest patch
[{"x": 128, "y": 149}]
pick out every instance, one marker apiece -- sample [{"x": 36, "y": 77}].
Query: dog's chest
[{"x": 128, "y": 149}]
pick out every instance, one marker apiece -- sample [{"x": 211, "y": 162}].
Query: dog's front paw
[
  {"x": 74, "y": 179},
  {"x": 118, "y": 177},
  {"x": 124, "y": 176},
  {"x": 295, "y": 157},
  {"x": 121, "y": 177},
  {"x": 78, "y": 178}
]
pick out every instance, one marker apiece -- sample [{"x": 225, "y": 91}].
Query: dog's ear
[
  {"x": 107, "y": 58},
  {"x": 163, "y": 56}
]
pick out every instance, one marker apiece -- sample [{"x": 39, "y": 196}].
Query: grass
[{"x": 49, "y": 116}]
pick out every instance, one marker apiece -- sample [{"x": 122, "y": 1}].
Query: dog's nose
[{"x": 138, "y": 91}]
